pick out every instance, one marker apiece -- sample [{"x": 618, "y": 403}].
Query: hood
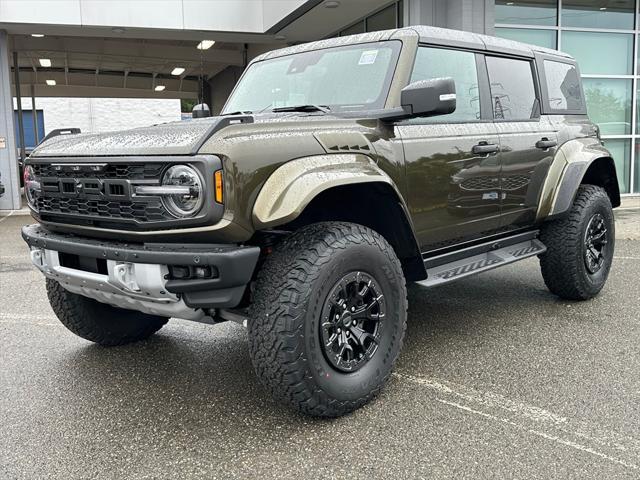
[
  {"x": 188, "y": 137},
  {"x": 174, "y": 138}
]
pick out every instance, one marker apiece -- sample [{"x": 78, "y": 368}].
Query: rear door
[
  {"x": 452, "y": 164},
  {"x": 528, "y": 140}
]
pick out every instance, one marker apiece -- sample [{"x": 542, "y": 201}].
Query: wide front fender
[
  {"x": 570, "y": 166},
  {"x": 295, "y": 184}
]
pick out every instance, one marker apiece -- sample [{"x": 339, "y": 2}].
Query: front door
[{"x": 452, "y": 161}]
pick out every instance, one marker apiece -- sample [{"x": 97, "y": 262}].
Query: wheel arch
[
  {"x": 329, "y": 188},
  {"x": 577, "y": 162}
]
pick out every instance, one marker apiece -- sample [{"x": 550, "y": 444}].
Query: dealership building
[{"x": 99, "y": 52}]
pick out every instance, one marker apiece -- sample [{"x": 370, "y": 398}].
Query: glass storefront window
[
  {"x": 611, "y": 14},
  {"x": 621, "y": 151},
  {"x": 354, "y": 29},
  {"x": 531, "y": 12},
  {"x": 600, "y": 53},
  {"x": 383, "y": 20},
  {"x": 609, "y": 104},
  {"x": 542, "y": 38}
]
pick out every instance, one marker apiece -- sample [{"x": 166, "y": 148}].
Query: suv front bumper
[{"x": 136, "y": 276}]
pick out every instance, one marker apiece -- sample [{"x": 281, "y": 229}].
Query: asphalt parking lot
[{"x": 498, "y": 379}]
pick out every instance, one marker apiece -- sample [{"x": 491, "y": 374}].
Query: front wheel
[
  {"x": 328, "y": 318},
  {"x": 580, "y": 246}
]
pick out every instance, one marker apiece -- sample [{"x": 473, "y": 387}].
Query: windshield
[{"x": 352, "y": 77}]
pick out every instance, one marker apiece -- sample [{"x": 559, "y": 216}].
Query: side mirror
[{"x": 425, "y": 98}]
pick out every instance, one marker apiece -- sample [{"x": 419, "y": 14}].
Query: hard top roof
[{"x": 428, "y": 35}]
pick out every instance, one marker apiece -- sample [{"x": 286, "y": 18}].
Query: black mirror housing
[{"x": 427, "y": 98}]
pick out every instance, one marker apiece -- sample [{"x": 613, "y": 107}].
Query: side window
[
  {"x": 563, "y": 86},
  {"x": 459, "y": 65},
  {"x": 513, "y": 96}
]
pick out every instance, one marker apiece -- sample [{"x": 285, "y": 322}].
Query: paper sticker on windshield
[{"x": 368, "y": 57}]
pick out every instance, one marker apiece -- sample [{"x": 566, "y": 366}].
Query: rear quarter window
[{"x": 563, "y": 87}]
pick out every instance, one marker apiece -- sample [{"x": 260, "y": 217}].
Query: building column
[
  {"x": 8, "y": 154},
  {"x": 470, "y": 15}
]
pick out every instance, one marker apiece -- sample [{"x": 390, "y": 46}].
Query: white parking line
[
  {"x": 553, "y": 438},
  {"x": 626, "y": 258},
  {"x": 585, "y": 437},
  {"x": 487, "y": 399}
]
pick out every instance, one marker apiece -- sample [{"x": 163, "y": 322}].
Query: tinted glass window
[
  {"x": 609, "y": 104},
  {"x": 563, "y": 86},
  {"x": 600, "y": 53},
  {"x": 542, "y": 38},
  {"x": 461, "y": 66},
  {"x": 354, "y": 29},
  {"x": 383, "y": 20},
  {"x": 621, "y": 152},
  {"x": 513, "y": 95},
  {"x": 600, "y": 14},
  {"x": 527, "y": 12}
]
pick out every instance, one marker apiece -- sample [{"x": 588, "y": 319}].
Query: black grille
[
  {"x": 100, "y": 193},
  {"x": 151, "y": 211},
  {"x": 141, "y": 171}
]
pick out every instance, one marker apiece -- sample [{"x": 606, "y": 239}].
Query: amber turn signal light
[{"x": 217, "y": 177}]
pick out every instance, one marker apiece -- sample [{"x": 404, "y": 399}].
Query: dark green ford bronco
[{"x": 338, "y": 171}]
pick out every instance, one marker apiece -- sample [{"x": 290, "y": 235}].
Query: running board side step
[{"x": 452, "y": 266}]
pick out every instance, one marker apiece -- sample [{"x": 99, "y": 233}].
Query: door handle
[
  {"x": 545, "y": 143},
  {"x": 485, "y": 148}
]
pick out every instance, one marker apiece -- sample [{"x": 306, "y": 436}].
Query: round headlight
[
  {"x": 190, "y": 202},
  {"x": 31, "y": 185}
]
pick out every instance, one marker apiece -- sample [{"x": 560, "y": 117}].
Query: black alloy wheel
[
  {"x": 352, "y": 320},
  {"x": 595, "y": 243}
]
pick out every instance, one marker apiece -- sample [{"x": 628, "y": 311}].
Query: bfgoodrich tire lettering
[
  {"x": 565, "y": 270},
  {"x": 285, "y": 321},
  {"x": 99, "y": 322}
]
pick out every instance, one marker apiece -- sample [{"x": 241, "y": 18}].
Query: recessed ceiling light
[
  {"x": 118, "y": 30},
  {"x": 509, "y": 3},
  {"x": 37, "y": 35},
  {"x": 177, "y": 71},
  {"x": 159, "y": 88},
  {"x": 51, "y": 83},
  {"x": 331, "y": 4},
  {"x": 45, "y": 62},
  {"x": 205, "y": 44},
  {"x": 281, "y": 37},
  {"x": 602, "y": 9}
]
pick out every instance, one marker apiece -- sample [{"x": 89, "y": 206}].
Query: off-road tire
[
  {"x": 291, "y": 289},
  {"x": 563, "y": 265},
  {"x": 99, "y": 322}
]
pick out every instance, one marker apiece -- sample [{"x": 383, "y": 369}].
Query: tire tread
[{"x": 276, "y": 329}]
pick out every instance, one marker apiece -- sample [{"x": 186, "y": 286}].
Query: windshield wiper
[{"x": 303, "y": 108}]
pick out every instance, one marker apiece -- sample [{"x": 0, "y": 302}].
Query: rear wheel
[
  {"x": 580, "y": 246},
  {"x": 328, "y": 318},
  {"x": 99, "y": 322}
]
